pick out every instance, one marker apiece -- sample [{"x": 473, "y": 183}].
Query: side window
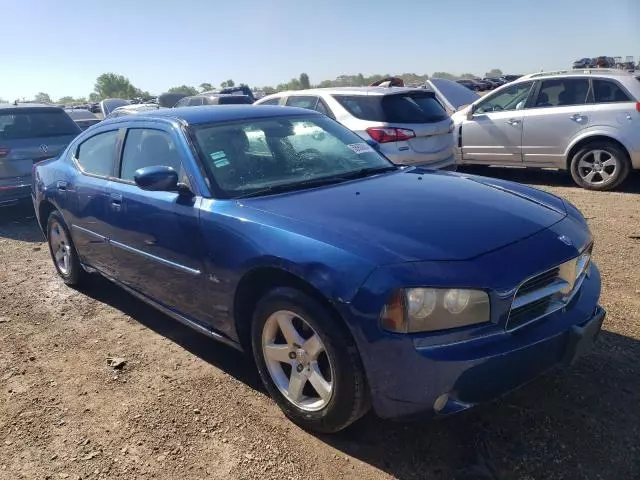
[
  {"x": 146, "y": 148},
  {"x": 271, "y": 101},
  {"x": 95, "y": 155},
  {"x": 512, "y": 98},
  {"x": 195, "y": 101},
  {"x": 605, "y": 91},
  {"x": 302, "y": 102},
  {"x": 562, "y": 92},
  {"x": 323, "y": 108}
]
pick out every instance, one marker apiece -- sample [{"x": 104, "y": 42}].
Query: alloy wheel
[
  {"x": 297, "y": 361},
  {"x": 60, "y": 247},
  {"x": 597, "y": 167}
]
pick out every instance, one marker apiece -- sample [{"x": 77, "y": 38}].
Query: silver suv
[
  {"x": 584, "y": 121},
  {"x": 408, "y": 125}
]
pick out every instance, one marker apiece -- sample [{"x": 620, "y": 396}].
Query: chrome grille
[{"x": 548, "y": 291}]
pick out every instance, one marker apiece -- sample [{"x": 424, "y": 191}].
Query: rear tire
[
  {"x": 600, "y": 166},
  {"x": 292, "y": 369},
  {"x": 63, "y": 251}
]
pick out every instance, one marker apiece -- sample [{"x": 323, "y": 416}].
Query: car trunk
[{"x": 29, "y": 135}]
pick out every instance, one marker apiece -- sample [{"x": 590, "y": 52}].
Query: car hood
[{"x": 416, "y": 214}]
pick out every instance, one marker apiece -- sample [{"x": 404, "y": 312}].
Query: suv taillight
[
  {"x": 386, "y": 135},
  {"x": 638, "y": 106},
  {"x": 4, "y": 151}
]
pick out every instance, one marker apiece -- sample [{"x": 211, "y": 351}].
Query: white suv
[
  {"x": 584, "y": 121},
  {"x": 408, "y": 125}
]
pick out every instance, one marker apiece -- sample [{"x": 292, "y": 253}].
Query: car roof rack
[{"x": 575, "y": 71}]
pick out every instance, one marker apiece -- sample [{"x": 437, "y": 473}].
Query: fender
[{"x": 594, "y": 131}]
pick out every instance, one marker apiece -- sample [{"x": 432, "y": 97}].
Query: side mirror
[
  {"x": 157, "y": 179},
  {"x": 373, "y": 144},
  {"x": 471, "y": 110}
]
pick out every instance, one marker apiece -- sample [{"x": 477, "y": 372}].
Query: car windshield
[
  {"x": 283, "y": 153},
  {"x": 35, "y": 123}
]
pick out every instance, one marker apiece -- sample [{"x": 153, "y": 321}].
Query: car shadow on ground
[
  {"x": 569, "y": 423},
  {"x": 540, "y": 177},
  {"x": 19, "y": 223}
]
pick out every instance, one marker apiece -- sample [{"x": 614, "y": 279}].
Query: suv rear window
[
  {"x": 399, "y": 108},
  {"x": 35, "y": 123},
  {"x": 234, "y": 100}
]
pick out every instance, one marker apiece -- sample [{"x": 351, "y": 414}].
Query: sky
[{"x": 60, "y": 47}]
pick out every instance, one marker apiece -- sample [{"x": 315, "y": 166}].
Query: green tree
[
  {"x": 66, "y": 100},
  {"x": 43, "y": 98},
  {"x": 94, "y": 97},
  {"x": 184, "y": 89},
  {"x": 468, "y": 75},
  {"x": 304, "y": 81},
  {"x": 111, "y": 85},
  {"x": 228, "y": 83},
  {"x": 494, "y": 73},
  {"x": 205, "y": 87},
  {"x": 445, "y": 75}
]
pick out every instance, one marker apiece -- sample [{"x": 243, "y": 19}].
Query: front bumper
[{"x": 413, "y": 376}]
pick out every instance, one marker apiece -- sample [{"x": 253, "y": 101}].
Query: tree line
[{"x": 112, "y": 85}]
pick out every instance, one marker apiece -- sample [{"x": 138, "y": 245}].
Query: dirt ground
[{"x": 185, "y": 407}]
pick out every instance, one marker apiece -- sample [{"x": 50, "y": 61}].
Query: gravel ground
[{"x": 185, "y": 407}]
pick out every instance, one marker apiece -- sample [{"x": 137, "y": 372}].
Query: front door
[
  {"x": 156, "y": 236},
  {"x": 494, "y": 134},
  {"x": 558, "y": 112}
]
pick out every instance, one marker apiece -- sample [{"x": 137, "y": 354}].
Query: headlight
[{"x": 429, "y": 309}]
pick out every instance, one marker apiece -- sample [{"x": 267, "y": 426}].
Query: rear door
[
  {"x": 559, "y": 111},
  {"x": 29, "y": 135},
  {"x": 493, "y": 135},
  {"x": 613, "y": 105}
]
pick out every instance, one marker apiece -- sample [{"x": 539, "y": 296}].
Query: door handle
[
  {"x": 576, "y": 117},
  {"x": 514, "y": 122},
  {"x": 62, "y": 186},
  {"x": 116, "y": 200}
]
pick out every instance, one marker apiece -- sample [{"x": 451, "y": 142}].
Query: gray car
[
  {"x": 29, "y": 133},
  {"x": 408, "y": 125},
  {"x": 584, "y": 121}
]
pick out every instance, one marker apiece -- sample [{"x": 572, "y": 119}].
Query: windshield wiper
[
  {"x": 365, "y": 172},
  {"x": 318, "y": 182},
  {"x": 289, "y": 187}
]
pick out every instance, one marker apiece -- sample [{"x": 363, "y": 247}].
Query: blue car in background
[{"x": 353, "y": 281}]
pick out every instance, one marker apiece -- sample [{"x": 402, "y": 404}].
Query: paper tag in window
[
  {"x": 360, "y": 148},
  {"x": 217, "y": 155}
]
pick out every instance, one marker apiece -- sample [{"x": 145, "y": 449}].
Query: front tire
[
  {"x": 308, "y": 362},
  {"x": 63, "y": 251},
  {"x": 600, "y": 166}
]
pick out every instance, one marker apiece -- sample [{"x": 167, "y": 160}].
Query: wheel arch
[
  {"x": 592, "y": 138},
  {"x": 44, "y": 210},
  {"x": 255, "y": 283}
]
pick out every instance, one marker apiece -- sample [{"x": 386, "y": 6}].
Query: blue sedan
[{"x": 353, "y": 281}]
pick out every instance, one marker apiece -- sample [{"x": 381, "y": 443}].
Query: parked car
[
  {"x": 169, "y": 99},
  {"x": 83, "y": 118},
  {"x": 214, "y": 99},
  {"x": 584, "y": 63},
  {"x": 510, "y": 78},
  {"x": 472, "y": 84},
  {"x": 353, "y": 281},
  {"x": 108, "y": 105},
  {"x": 132, "y": 109},
  {"x": 408, "y": 125},
  {"x": 29, "y": 133},
  {"x": 587, "y": 122},
  {"x": 495, "y": 82}
]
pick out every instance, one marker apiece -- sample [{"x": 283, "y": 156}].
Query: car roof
[
  {"x": 27, "y": 105},
  {"x": 218, "y": 113},
  {"x": 588, "y": 72},
  {"x": 347, "y": 90}
]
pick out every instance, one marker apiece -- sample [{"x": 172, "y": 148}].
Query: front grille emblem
[
  {"x": 566, "y": 240},
  {"x": 44, "y": 148}
]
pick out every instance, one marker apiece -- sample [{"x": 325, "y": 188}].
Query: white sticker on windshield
[{"x": 360, "y": 148}]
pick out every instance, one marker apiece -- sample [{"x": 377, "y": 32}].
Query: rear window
[
  {"x": 27, "y": 123},
  {"x": 235, "y": 100},
  {"x": 401, "y": 108}
]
